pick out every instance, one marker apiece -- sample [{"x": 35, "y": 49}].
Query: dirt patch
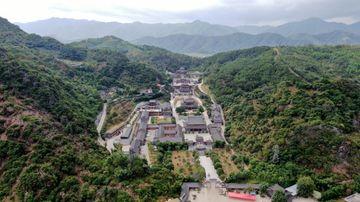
[
  {"x": 122, "y": 109},
  {"x": 101, "y": 66},
  {"x": 225, "y": 158},
  {"x": 206, "y": 89},
  {"x": 3, "y": 137},
  {"x": 319, "y": 171},
  {"x": 292, "y": 88},
  {"x": 183, "y": 159},
  {"x": 339, "y": 169}
]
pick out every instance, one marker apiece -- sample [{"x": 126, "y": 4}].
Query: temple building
[
  {"x": 166, "y": 109},
  {"x": 146, "y": 92},
  {"x": 215, "y": 132},
  {"x": 190, "y": 104},
  {"x": 216, "y": 115},
  {"x": 116, "y": 130},
  {"x": 141, "y": 132},
  {"x": 182, "y": 70},
  {"x": 185, "y": 88},
  {"x": 195, "y": 74},
  {"x": 144, "y": 117},
  {"x": 169, "y": 132},
  {"x": 195, "y": 123},
  {"x": 152, "y": 104}
]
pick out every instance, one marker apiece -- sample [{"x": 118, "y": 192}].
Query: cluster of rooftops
[
  {"x": 183, "y": 71},
  {"x": 167, "y": 131}
]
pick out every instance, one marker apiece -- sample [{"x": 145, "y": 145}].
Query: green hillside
[
  {"x": 48, "y": 139},
  {"x": 333, "y": 38},
  {"x": 303, "y": 99},
  {"x": 159, "y": 58},
  {"x": 109, "y": 42},
  {"x": 290, "y": 112}
]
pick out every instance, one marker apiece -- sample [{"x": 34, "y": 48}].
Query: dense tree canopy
[
  {"x": 305, "y": 186},
  {"x": 279, "y": 196}
]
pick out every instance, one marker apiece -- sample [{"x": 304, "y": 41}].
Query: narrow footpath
[{"x": 222, "y": 114}]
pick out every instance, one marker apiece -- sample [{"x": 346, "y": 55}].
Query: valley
[{"x": 103, "y": 119}]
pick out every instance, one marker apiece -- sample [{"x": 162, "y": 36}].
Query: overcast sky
[{"x": 226, "y": 12}]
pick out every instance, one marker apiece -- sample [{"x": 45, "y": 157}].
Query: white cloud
[{"x": 229, "y": 12}]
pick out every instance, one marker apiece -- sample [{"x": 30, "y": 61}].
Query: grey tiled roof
[
  {"x": 216, "y": 113},
  {"x": 145, "y": 114},
  {"x": 189, "y": 101},
  {"x": 127, "y": 133},
  {"x": 142, "y": 126},
  {"x": 141, "y": 135},
  {"x": 215, "y": 107},
  {"x": 195, "y": 120},
  {"x": 165, "y": 105},
  {"x": 215, "y": 132},
  {"x": 240, "y": 186},
  {"x": 135, "y": 146},
  {"x": 179, "y": 137}
]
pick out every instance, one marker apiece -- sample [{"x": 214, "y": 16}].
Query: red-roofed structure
[{"x": 241, "y": 196}]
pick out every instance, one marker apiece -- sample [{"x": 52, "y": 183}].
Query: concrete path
[
  {"x": 110, "y": 143},
  {"x": 100, "y": 140},
  {"x": 207, "y": 163},
  {"x": 174, "y": 112},
  {"x": 145, "y": 152}
]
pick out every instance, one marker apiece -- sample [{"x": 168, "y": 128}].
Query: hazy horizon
[{"x": 224, "y": 12}]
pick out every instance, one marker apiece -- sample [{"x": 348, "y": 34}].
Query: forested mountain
[
  {"x": 334, "y": 38},
  {"x": 312, "y": 26},
  {"x": 159, "y": 58},
  {"x": 69, "y": 30},
  {"x": 48, "y": 139},
  {"x": 182, "y": 43},
  {"x": 252, "y": 29},
  {"x": 303, "y": 99}
]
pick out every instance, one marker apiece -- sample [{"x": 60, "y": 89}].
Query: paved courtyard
[
  {"x": 213, "y": 195},
  {"x": 302, "y": 199},
  {"x": 191, "y": 136}
]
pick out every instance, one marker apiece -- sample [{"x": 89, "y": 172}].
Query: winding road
[{"x": 100, "y": 140}]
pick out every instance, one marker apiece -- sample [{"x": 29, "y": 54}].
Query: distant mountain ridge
[
  {"x": 182, "y": 43},
  {"x": 70, "y": 30}
]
